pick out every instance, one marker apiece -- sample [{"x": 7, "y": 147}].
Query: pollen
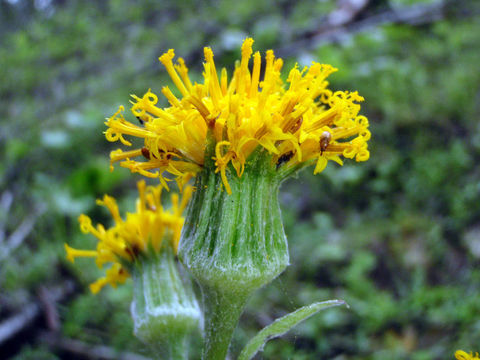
[
  {"x": 300, "y": 121},
  {"x": 149, "y": 229}
]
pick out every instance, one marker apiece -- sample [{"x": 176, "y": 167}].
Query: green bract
[
  {"x": 233, "y": 244},
  {"x": 164, "y": 309}
]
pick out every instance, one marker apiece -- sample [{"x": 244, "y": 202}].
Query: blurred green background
[{"x": 397, "y": 237}]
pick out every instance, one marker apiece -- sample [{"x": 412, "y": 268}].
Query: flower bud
[{"x": 164, "y": 309}]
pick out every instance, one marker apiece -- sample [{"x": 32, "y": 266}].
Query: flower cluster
[
  {"x": 462, "y": 355},
  {"x": 148, "y": 229},
  {"x": 299, "y": 124}
]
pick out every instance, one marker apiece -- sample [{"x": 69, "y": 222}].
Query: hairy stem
[{"x": 222, "y": 313}]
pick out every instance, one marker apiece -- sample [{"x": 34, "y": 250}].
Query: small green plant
[{"x": 240, "y": 139}]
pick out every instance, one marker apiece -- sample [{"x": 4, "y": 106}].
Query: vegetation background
[{"x": 397, "y": 237}]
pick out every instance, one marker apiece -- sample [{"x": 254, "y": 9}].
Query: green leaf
[{"x": 282, "y": 325}]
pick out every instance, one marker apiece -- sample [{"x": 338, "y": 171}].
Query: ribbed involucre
[{"x": 235, "y": 241}]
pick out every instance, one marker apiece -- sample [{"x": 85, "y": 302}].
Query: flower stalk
[
  {"x": 143, "y": 246},
  {"x": 233, "y": 244},
  {"x": 222, "y": 312}
]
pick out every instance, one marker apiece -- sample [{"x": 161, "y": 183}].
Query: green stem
[
  {"x": 222, "y": 313},
  {"x": 178, "y": 350},
  {"x": 174, "y": 347}
]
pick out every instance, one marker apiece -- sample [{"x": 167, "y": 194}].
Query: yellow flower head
[
  {"x": 299, "y": 122},
  {"x": 148, "y": 229},
  {"x": 462, "y": 355}
]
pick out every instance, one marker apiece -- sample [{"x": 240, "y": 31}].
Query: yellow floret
[
  {"x": 150, "y": 227},
  {"x": 247, "y": 112},
  {"x": 462, "y": 355}
]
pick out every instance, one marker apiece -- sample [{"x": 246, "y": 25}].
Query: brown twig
[
  {"x": 30, "y": 312},
  {"x": 5, "y": 203},
  {"x": 20, "y": 234},
  {"x": 18, "y": 322},
  {"x": 49, "y": 306},
  {"x": 339, "y": 26},
  {"x": 346, "y": 11}
]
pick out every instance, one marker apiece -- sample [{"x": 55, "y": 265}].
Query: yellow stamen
[
  {"x": 183, "y": 71},
  {"x": 324, "y": 119},
  {"x": 166, "y": 60},
  {"x": 98, "y": 285},
  {"x": 255, "y": 74},
  {"x": 110, "y": 203},
  {"x": 221, "y": 161},
  {"x": 200, "y": 106},
  {"x": 246, "y": 53},
  {"x": 170, "y": 97},
  {"x": 215, "y": 91},
  {"x": 224, "y": 81},
  {"x": 74, "y": 253}
]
